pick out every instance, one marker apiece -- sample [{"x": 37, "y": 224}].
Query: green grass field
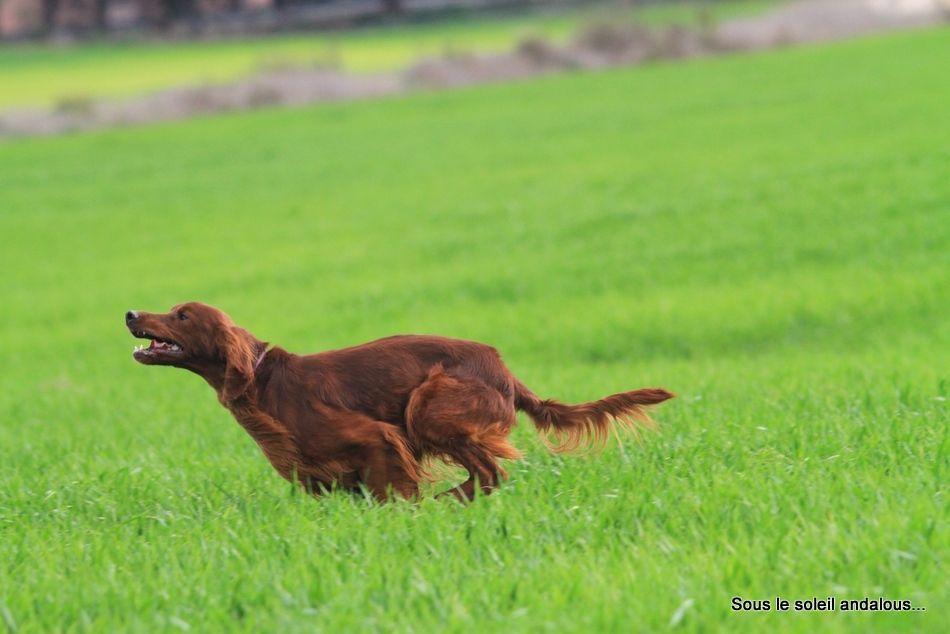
[
  {"x": 764, "y": 235},
  {"x": 43, "y": 76}
]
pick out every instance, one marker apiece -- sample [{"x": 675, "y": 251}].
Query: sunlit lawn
[{"x": 764, "y": 235}]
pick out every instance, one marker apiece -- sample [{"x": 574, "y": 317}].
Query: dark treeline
[{"x": 42, "y": 18}]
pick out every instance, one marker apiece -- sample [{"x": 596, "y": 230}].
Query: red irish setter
[{"x": 366, "y": 416}]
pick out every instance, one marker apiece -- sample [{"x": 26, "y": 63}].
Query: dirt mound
[
  {"x": 817, "y": 20},
  {"x": 284, "y": 87},
  {"x": 597, "y": 46}
]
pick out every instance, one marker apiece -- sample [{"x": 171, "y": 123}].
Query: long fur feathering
[
  {"x": 589, "y": 424},
  {"x": 403, "y": 451}
]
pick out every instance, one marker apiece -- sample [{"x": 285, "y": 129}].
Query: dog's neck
[
  {"x": 214, "y": 372},
  {"x": 260, "y": 356}
]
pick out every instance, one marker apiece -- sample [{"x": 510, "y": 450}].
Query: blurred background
[{"x": 78, "y": 64}]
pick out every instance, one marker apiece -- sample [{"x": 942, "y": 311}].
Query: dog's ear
[{"x": 237, "y": 346}]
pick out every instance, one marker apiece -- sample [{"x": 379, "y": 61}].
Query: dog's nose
[{"x": 131, "y": 316}]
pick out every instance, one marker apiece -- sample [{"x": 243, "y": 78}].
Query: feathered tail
[{"x": 588, "y": 423}]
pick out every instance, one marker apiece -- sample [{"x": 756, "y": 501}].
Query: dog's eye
[{"x": 182, "y": 316}]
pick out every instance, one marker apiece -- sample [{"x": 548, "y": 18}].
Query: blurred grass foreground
[{"x": 763, "y": 234}]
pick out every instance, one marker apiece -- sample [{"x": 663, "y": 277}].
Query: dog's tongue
[{"x": 153, "y": 344}]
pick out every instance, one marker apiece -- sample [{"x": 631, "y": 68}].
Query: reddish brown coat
[{"x": 367, "y": 416}]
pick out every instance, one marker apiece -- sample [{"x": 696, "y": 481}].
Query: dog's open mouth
[{"x": 156, "y": 346}]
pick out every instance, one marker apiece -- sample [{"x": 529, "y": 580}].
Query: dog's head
[{"x": 199, "y": 338}]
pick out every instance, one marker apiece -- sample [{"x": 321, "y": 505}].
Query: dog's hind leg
[
  {"x": 484, "y": 472},
  {"x": 460, "y": 418},
  {"x": 389, "y": 465}
]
